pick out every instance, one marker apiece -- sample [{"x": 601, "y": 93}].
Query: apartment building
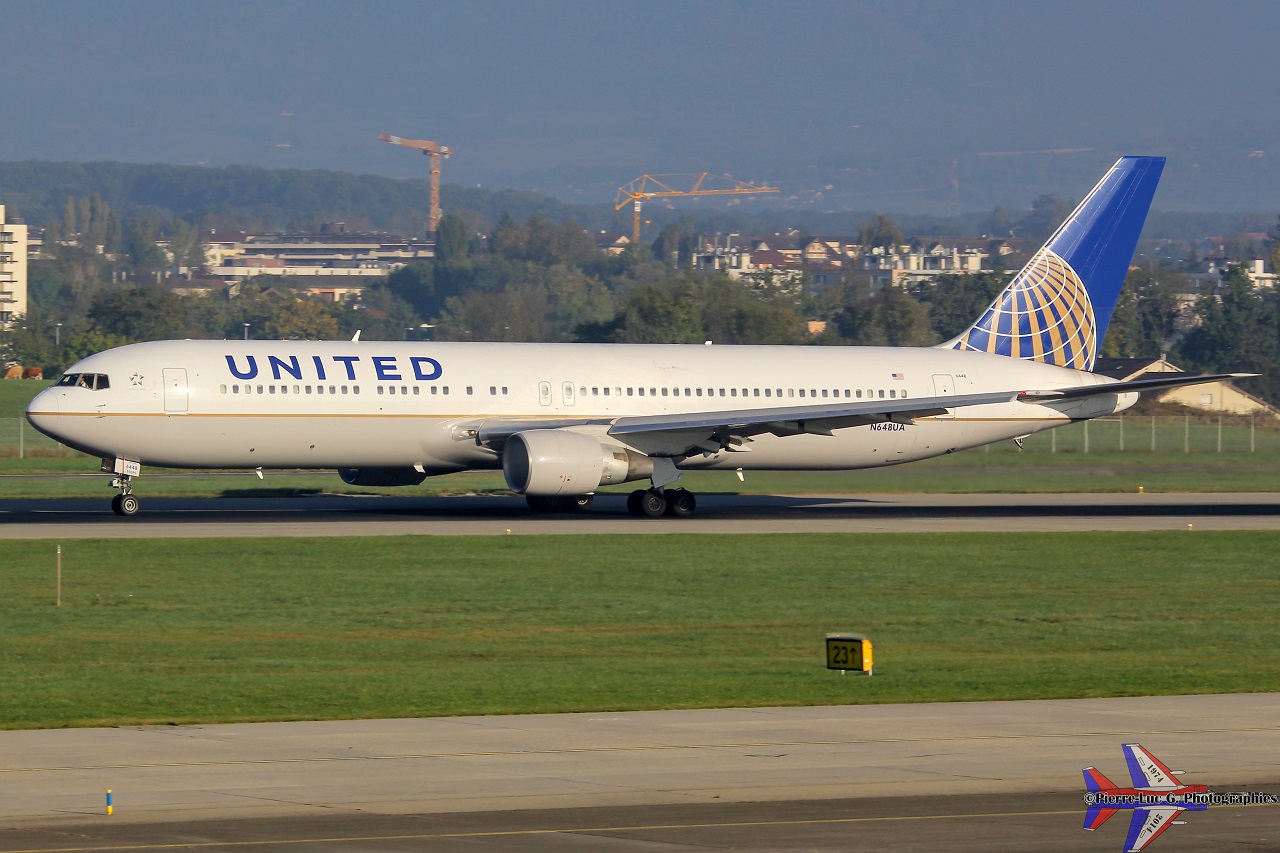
[{"x": 13, "y": 269}]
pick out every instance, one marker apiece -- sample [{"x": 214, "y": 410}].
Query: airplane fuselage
[{"x": 366, "y": 404}]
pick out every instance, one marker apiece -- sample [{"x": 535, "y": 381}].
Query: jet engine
[
  {"x": 382, "y": 476},
  {"x": 560, "y": 462}
]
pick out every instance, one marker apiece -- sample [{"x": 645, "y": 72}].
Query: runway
[
  {"x": 958, "y": 776},
  {"x": 482, "y": 515}
]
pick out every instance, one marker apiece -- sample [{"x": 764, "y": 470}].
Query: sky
[{"x": 896, "y": 106}]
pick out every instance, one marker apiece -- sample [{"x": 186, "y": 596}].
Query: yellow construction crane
[
  {"x": 649, "y": 186},
  {"x": 435, "y": 152}
]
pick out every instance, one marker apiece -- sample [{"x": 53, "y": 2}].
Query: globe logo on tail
[{"x": 1043, "y": 315}]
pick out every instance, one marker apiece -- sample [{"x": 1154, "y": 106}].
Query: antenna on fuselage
[{"x": 356, "y": 336}]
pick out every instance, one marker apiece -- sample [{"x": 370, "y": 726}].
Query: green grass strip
[{"x": 189, "y": 631}]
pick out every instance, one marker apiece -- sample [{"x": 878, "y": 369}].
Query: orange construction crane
[
  {"x": 648, "y": 186},
  {"x": 435, "y": 152}
]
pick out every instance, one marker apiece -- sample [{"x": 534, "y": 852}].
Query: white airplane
[{"x": 562, "y": 420}]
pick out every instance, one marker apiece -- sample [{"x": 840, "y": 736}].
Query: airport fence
[
  {"x": 1122, "y": 434},
  {"x": 20, "y": 440},
  {"x": 1157, "y": 434}
]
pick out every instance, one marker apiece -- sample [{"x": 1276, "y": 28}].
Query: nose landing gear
[{"x": 123, "y": 504}]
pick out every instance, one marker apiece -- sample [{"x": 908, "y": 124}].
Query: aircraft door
[
  {"x": 944, "y": 385},
  {"x": 544, "y": 393},
  {"x": 176, "y": 391},
  {"x": 566, "y": 393}
]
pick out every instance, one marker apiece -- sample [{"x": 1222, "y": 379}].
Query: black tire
[
  {"x": 128, "y": 505},
  {"x": 633, "y": 502},
  {"x": 578, "y": 503},
  {"x": 653, "y": 504},
  {"x": 681, "y": 503},
  {"x": 115, "y": 505}
]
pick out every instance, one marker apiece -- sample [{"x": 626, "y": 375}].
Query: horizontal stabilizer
[{"x": 1133, "y": 385}]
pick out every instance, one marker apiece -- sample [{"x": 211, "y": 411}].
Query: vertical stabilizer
[{"x": 1057, "y": 309}]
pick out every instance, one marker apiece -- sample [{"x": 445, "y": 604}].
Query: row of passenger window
[
  {"x": 809, "y": 393},
  {"x": 595, "y": 391},
  {"x": 403, "y": 390}
]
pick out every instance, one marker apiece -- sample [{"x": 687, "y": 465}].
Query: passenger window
[
  {"x": 470, "y": 390},
  {"x": 767, "y": 392},
  {"x": 435, "y": 389},
  {"x": 606, "y": 390},
  {"x": 892, "y": 393},
  {"x": 595, "y": 391},
  {"x": 417, "y": 390},
  {"x": 686, "y": 392},
  {"x": 791, "y": 392},
  {"x": 699, "y": 392},
  {"x": 582, "y": 392},
  {"x": 223, "y": 388},
  {"x": 504, "y": 390},
  {"x": 653, "y": 392},
  {"x": 271, "y": 388},
  {"x": 380, "y": 389},
  {"x": 801, "y": 392},
  {"x": 733, "y": 392},
  {"x": 235, "y": 389},
  {"x": 881, "y": 393},
  {"x": 629, "y": 392},
  {"x": 640, "y": 392},
  {"x": 344, "y": 389},
  {"x": 445, "y": 390},
  {"x": 493, "y": 390},
  {"x": 664, "y": 392}
]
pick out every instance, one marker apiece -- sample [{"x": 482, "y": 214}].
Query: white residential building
[{"x": 13, "y": 269}]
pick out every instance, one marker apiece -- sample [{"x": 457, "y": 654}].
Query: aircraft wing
[
  {"x": 1147, "y": 824},
  {"x": 1146, "y": 770},
  {"x": 686, "y": 433}
]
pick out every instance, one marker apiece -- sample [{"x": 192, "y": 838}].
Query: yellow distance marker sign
[{"x": 849, "y": 652}]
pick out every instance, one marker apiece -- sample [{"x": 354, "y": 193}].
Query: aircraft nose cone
[{"x": 41, "y": 410}]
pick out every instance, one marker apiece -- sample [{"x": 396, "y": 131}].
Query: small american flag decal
[{"x": 896, "y": 376}]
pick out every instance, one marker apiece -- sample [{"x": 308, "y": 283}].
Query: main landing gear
[{"x": 655, "y": 503}]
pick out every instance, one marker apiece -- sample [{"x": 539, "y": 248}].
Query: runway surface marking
[
  {"x": 193, "y": 845},
  {"x": 653, "y": 748}
]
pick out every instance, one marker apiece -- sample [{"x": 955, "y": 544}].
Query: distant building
[
  {"x": 612, "y": 242},
  {"x": 339, "y": 263},
  {"x": 13, "y": 269},
  {"x": 1221, "y": 397}
]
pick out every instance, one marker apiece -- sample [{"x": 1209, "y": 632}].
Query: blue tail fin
[{"x": 1057, "y": 309}]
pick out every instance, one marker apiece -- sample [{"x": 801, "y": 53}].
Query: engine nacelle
[
  {"x": 382, "y": 476},
  {"x": 559, "y": 462}
]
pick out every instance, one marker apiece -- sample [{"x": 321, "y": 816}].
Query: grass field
[{"x": 189, "y": 631}]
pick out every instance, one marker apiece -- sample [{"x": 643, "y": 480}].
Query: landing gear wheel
[
  {"x": 578, "y": 503},
  {"x": 124, "y": 505},
  {"x": 653, "y": 504},
  {"x": 681, "y": 503},
  {"x": 633, "y": 502}
]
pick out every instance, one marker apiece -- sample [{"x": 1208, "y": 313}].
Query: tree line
[{"x": 540, "y": 280}]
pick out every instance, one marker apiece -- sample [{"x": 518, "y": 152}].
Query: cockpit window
[{"x": 92, "y": 381}]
